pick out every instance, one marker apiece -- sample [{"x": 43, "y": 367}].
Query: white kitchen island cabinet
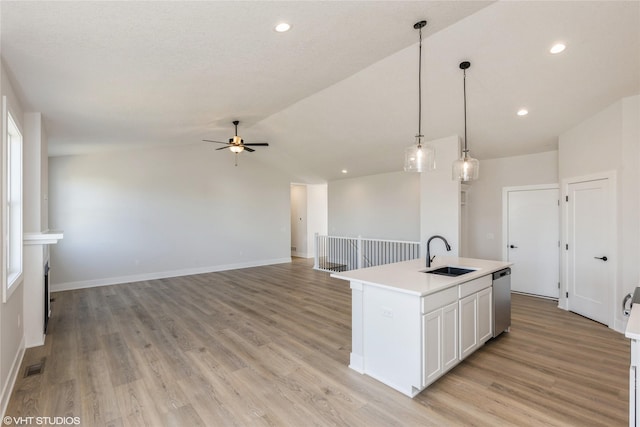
[
  {"x": 409, "y": 327},
  {"x": 475, "y": 315},
  {"x": 440, "y": 342}
]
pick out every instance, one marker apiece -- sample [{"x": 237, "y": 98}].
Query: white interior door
[
  {"x": 532, "y": 241},
  {"x": 589, "y": 275}
]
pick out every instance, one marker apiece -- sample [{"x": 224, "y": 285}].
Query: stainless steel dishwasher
[{"x": 501, "y": 301}]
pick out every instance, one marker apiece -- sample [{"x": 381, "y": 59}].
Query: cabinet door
[
  {"x": 468, "y": 325},
  {"x": 431, "y": 346},
  {"x": 449, "y": 336},
  {"x": 485, "y": 321}
]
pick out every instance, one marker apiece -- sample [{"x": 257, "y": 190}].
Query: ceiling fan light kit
[
  {"x": 419, "y": 157},
  {"x": 237, "y": 145},
  {"x": 466, "y": 168}
]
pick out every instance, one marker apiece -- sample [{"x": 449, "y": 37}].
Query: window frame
[{"x": 12, "y": 203}]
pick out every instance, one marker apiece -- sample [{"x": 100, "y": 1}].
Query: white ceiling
[{"x": 337, "y": 91}]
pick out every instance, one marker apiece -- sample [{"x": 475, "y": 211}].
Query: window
[{"x": 11, "y": 203}]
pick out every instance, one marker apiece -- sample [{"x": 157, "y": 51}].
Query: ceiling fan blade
[
  {"x": 217, "y": 142},
  {"x": 251, "y": 150},
  {"x": 258, "y": 144},
  {"x": 222, "y": 148}
]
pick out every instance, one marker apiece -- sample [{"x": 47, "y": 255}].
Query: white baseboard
[
  {"x": 356, "y": 362},
  {"x": 7, "y": 387},
  {"x": 56, "y": 287},
  {"x": 301, "y": 254},
  {"x": 619, "y": 325}
]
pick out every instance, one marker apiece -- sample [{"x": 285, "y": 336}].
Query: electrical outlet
[{"x": 387, "y": 312}]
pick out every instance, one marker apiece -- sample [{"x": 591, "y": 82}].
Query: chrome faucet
[{"x": 446, "y": 244}]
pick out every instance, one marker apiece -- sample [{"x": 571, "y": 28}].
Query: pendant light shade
[
  {"x": 419, "y": 157},
  {"x": 466, "y": 168}
]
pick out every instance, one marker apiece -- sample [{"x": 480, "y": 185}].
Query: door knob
[
  {"x": 603, "y": 258},
  {"x": 513, "y": 247}
]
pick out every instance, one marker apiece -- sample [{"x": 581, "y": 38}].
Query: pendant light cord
[
  {"x": 464, "y": 91},
  {"x": 463, "y": 66},
  {"x": 418, "y": 26},
  {"x": 419, "y": 136}
]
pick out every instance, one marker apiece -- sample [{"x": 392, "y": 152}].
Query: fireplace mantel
[
  {"x": 36, "y": 307},
  {"x": 49, "y": 237}
]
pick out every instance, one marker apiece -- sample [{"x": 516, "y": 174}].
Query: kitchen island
[
  {"x": 410, "y": 327},
  {"x": 632, "y": 332}
]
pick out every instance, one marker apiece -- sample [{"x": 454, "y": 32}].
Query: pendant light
[
  {"x": 419, "y": 157},
  {"x": 466, "y": 168}
]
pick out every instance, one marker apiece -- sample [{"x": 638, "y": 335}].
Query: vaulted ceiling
[{"x": 339, "y": 90}]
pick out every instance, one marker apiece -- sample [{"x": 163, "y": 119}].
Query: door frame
[
  {"x": 505, "y": 210},
  {"x": 611, "y": 231}
]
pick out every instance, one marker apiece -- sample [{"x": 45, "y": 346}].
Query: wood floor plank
[
  {"x": 184, "y": 416},
  {"x": 29, "y": 399},
  {"x": 137, "y": 405},
  {"x": 158, "y": 375},
  {"x": 96, "y": 390},
  {"x": 210, "y": 394},
  {"x": 269, "y": 346},
  {"x": 122, "y": 366}
]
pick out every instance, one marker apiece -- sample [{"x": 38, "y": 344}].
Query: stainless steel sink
[{"x": 450, "y": 271}]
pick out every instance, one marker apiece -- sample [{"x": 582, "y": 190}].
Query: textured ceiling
[{"x": 337, "y": 91}]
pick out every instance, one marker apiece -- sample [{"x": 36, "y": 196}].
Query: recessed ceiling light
[
  {"x": 557, "y": 48},
  {"x": 523, "y": 112},
  {"x": 344, "y": 171},
  {"x": 282, "y": 27}
]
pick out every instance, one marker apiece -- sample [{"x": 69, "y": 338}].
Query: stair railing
[{"x": 337, "y": 253}]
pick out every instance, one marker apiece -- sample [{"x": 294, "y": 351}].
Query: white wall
[
  {"x": 161, "y": 212},
  {"x": 11, "y": 312},
  {"x": 440, "y": 199},
  {"x": 638, "y": 211},
  {"x": 317, "y": 214},
  {"x": 629, "y": 247},
  {"x": 385, "y": 206},
  {"x": 401, "y": 205},
  {"x": 484, "y": 197},
  {"x": 35, "y": 174},
  {"x": 308, "y": 217},
  {"x": 299, "y": 220},
  {"x": 357, "y": 205},
  {"x": 44, "y": 179},
  {"x": 609, "y": 141}
]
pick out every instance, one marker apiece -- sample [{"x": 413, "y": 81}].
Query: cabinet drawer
[
  {"x": 475, "y": 285},
  {"x": 439, "y": 299}
]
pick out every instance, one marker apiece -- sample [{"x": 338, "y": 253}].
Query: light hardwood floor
[{"x": 270, "y": 346}]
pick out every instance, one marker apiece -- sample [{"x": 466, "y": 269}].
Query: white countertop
[
  {"x": 409, "y": 276},
  {"x": 633, "y": 324}
]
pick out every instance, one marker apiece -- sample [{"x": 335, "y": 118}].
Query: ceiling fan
[{"x": 237, "y": 145}]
